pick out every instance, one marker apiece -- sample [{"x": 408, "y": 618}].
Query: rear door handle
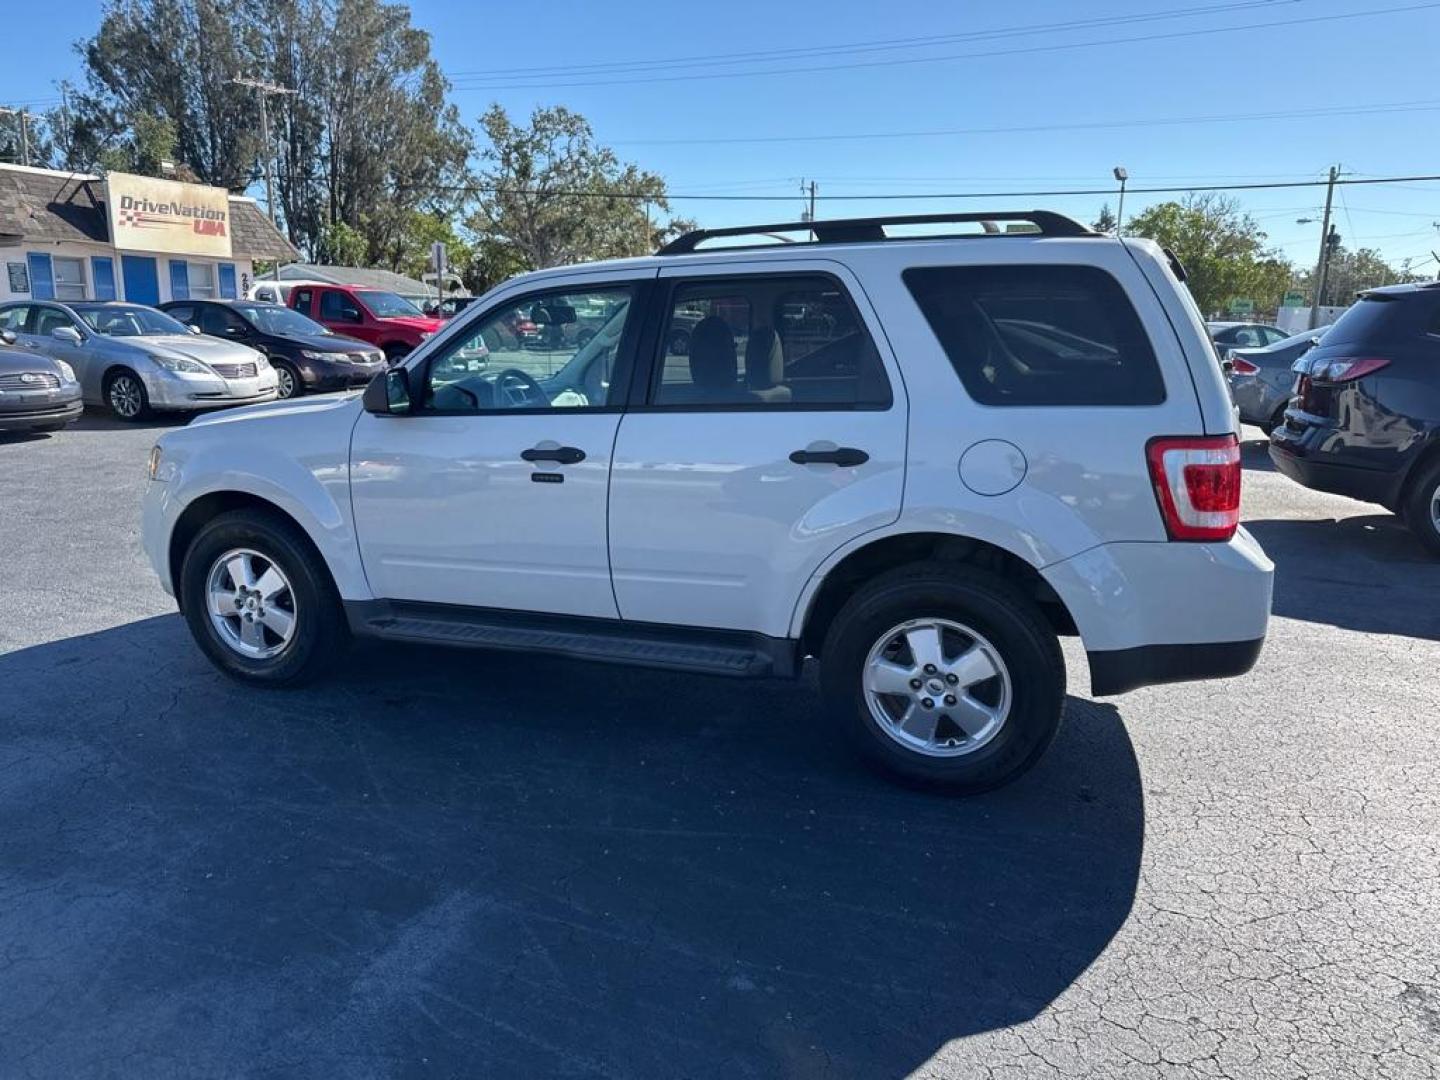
[
  {"x": 561, "y": 455},
  {"x": 844, "y": 456}
]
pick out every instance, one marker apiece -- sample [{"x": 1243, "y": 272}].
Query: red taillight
[
  {"x": 1197, "y": 483},
  {"x": 1347, "y": 368},
  {"x": 1241, "y": 366}
]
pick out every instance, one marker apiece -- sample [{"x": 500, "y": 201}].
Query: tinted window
[
  {"x": 781, "y": 341},
  {"x": 13, "y": 318},
  {"x": 555, "y": 352},
  {"x": 337, "y": 307},
  {"x": 218, "y": 321},
  {"x": 1039, "y": 335},
  {"x": 184, "y": 313},
  {"x": 47, "y": 319},
  {"x": 302, "y": 300}
]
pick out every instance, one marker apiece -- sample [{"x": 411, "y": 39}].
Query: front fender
[{"x": 299, "y": 463}]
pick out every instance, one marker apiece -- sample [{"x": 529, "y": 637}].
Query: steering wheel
[{"x": 519, "y": 390}]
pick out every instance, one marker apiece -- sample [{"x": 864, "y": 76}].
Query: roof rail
[{"x": 872, "y": 229}]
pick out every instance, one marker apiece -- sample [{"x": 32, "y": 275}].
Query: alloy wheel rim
[
  {"x": 250, "y": 603},
  {"x": 285, "y": 381},
  {"x": 125, "y": 396},
  {"x": 1435, "y": 509},
  {"x": 937, "y": 687}
]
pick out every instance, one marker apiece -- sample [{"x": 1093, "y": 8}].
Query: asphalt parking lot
[{"x": 463, "y": 865}]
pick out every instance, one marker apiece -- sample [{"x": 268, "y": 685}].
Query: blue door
[{"x": 142, "y": 279}]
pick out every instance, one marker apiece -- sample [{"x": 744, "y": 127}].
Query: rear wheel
[
  {"x": 1274, "y": 422},
  {"x": 260, "y": 602},
  {"x": 946, "y": 676},
  {"x": 125, "y": 394},
  {"x": 1422, "y": 507}
]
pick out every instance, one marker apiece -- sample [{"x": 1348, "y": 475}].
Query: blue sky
[{"x": 1057, "y": 108}]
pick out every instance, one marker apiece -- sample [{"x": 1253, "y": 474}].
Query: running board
[{"x": 677, "y": 648}]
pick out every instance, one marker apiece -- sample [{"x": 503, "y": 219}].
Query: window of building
[
  {"x": 69, "y": 278},
  {"x": 1039, "y": 335},
  {"x": 773, "y": 340},
  {"x": 202, "y": 280}
]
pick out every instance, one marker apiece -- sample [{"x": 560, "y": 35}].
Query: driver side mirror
[
  {"x": 388, "y": 393},
  {"x": 67, "y": 334},
  {"x": 7, "y": 337}
]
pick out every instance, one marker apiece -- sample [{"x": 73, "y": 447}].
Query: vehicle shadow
[
  {"x": 1366, "y": 573},
  {"x": 99, "y": 419},
  {"x": 1255, "y": 455},
  {"x": 465, "y": 864}
]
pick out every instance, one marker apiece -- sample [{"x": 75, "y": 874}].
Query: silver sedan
[{"x": 136, "y": 359}]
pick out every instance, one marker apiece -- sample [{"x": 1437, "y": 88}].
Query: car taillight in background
[
  {"x": 1346, "y": 368},
  {"x": 1197, "y": 484},
  {"x": 1240, "y": 366}
]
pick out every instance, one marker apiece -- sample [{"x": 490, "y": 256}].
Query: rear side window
[{"x": 1039, "y": 335}]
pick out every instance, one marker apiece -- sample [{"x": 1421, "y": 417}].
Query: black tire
[
  {"x": 990, "y": 606},
  {"x": 320, "y": 631},
  {"x": 123, "y": 388},
  {"x": 395, "y": 352},
  {"x": 1418, "y": 512},
  {"x": 284, "y": 369}
]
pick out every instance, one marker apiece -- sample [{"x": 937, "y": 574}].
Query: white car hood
[
  {"x": 207, "y": 350},
  {"x": 289, "y": 407}
]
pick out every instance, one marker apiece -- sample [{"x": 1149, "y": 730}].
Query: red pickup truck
[{"x": 373, "y": 315}]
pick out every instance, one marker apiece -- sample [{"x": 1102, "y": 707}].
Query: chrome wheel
[
  {"x": 127, "y": 397},
  {"x": 284, "y": 381},
  {"x": 251, "y": 604},
  {"x": 1435, "y": 509},
  {"x": 937, "y": 687}
]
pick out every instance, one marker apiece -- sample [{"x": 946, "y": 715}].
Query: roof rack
[{"x": 872, "y": 229}]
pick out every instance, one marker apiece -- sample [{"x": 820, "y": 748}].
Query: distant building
[{"x": 77, "y": 236}]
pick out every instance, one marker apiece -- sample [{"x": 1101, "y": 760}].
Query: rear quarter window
[
  {"x": 1039, "y": 335},
  {"x": 1371, "y": 318}
]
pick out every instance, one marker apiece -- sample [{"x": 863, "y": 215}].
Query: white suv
[{"x": 917, "y": 459}]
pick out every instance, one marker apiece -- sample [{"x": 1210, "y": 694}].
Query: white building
[{"x": 73, "y": 236}]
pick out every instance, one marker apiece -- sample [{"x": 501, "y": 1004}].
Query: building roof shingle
[
  {"x": 356, "y": 275},
  {"x": 55, "y": 207}
]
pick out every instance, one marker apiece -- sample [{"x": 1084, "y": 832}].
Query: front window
[
  {"x": 202, "y": 280},
  {"x": 127, "y": 320},
  {"x": 387, "y": 305},
  {"x": 273, "y": 319},
  {"x": 555, "y": 352},
  {"x": 69, "y": 278}
]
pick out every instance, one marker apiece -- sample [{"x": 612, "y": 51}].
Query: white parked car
[{"x": 917, "y": 460}]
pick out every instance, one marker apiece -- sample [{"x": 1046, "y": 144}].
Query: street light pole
[
  {"x": 265, "y": 90},
  {"x": 1121, "y": 174}
]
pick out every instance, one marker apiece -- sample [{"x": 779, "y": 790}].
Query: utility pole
[
  {"x": 24, "y": 132},
  {"x": 265, "y": 89},
  {"x": 1322, "y": 266},
  {"x": 1121, "y": 175}
]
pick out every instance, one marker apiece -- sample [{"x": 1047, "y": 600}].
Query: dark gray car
[
  {"x": 1261, "y": 381},
  {"x": 36, "y": 392}
]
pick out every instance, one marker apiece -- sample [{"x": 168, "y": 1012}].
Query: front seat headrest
[
  {"x": 764, "y": 360},
  {"x": 713, "y": 362}
]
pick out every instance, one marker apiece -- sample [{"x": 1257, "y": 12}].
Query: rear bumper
[
  {"x": 1118, "y": 671},
  {"x": 1367, "y": 485},
  {"x": 1154, "y": 612}
]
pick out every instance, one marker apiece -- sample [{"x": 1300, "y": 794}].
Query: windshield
[
  {"x": 386, "y": 305},
  {"x": 127, "y": 320},
  {"x": 273, "y": 319}
]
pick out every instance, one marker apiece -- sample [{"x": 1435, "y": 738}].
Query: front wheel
[
  {"x": 126, "y": 395},
  {"x": 259, "y": 601},
  {"x": 1422, "y": 508},
  {"x": 287, "y": 380},
  {"x": 946, "y": 676}
]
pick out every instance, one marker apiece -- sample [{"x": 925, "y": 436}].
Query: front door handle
[
  {"x": 844, "y": 456},
  {"x": 561, "y": 455}
]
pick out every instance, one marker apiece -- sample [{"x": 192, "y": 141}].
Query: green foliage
[
  {"x": 1351, "y": 272},
  {"x": 12, "y": 146},
  {"x": 1105, "y": 223},
  {"x": 531, "y": 197},
  {"x": 1223, "y": 250},
  {"x": 340, "y": 244}
]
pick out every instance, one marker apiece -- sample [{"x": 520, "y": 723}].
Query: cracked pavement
[{"x": 447, "y": 864}]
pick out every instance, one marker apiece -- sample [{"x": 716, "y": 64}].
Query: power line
[
  {"x": 489, "y": 189},
  {"x": 858, "y": 47},
  {"x": 512, "y": 83},
  {"x": 1417, "y": 105}
]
